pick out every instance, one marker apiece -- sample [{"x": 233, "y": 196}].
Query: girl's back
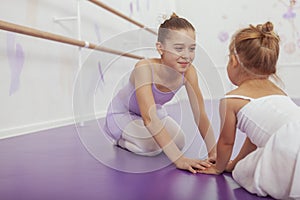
[{"x": 263, "y": 116}]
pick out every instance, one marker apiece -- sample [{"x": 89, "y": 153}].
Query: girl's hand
[
  {"x": 192, "y": 165},
  {"x": 230, "y": 166},
  {"x": 210, "y": 170}
]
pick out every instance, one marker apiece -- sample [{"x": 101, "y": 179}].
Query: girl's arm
[
  {"x": 226, "y": 139},
  {"x": 228, "y": 110},
  {"x": 198, "y": 109},
  {"x": 227, "y": 134},
  {"x": 247, "y": 148},
  {"x": 142, "y": 78}
]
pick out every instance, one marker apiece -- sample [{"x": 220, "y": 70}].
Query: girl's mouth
[{"x": 184, "y": 64}]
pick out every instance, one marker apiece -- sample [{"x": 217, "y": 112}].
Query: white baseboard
[{"x": 32, "y": 128}]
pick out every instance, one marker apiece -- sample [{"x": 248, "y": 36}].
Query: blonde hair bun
[
  {"x": 174, "y": 15},
  {"x": 265, "y": 28}
]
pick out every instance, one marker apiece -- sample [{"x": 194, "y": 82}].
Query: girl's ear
[
  {"x": 234, "y": 61},
  {"x": 159, "y": 48}
]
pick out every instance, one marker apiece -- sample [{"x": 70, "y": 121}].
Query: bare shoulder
[
  {"x": 146, "y": 62},
  {"x": 142, "y": 71},
  {"x": 143, "y": 67},
  {"x": 233, "y": 104}
]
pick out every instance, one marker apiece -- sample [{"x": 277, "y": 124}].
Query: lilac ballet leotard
[{"x": 124, "y": 108}]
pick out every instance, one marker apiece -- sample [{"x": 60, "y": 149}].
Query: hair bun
[
  {"x": 267, "y": 27},
  {"x": 174, "y": 15}
]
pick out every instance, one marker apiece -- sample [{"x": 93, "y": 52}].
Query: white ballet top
[
  {"x": 272, "y": 123},
  {"x": 263, "y": 116}
]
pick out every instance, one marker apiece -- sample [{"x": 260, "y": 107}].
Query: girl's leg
[{"x": 138, "y": 139}]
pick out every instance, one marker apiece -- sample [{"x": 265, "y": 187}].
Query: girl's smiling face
[{"x": 178, "y": 50}]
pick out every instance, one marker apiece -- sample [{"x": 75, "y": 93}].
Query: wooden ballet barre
[
  {"x": 58, "y": 38},
  {"x": 122, "y": 15}
]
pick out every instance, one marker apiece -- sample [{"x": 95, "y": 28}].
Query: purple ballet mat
[{"x": 61, "y": 164}]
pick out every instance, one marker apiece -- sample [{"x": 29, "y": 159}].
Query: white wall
[
  {"x": 53, "y": 87},
  {"x": 217, "y": 20}
]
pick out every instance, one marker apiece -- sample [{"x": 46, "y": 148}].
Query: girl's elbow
[
  {"x": 146, "y": 120},
  {"x": 153, "y": 124},
  {"x": 228, "y": 143}
]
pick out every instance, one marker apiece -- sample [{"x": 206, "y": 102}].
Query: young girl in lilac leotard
[
  {"x": 136, "y": 119},
  {"x": 269, "y": 160}
]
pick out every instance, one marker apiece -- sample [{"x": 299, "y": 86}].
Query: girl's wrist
[{"x": 219, "y": 171}]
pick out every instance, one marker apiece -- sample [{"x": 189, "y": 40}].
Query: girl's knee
[
  {"x": 175, "y": 132},
  {"x": 179, "y": 140}
]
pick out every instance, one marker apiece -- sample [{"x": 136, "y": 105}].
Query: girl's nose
[{"x": 184, "y": 54}]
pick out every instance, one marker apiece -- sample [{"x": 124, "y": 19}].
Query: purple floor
[{"x": 80, "y": 163}]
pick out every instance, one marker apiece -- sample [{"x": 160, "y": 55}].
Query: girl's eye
[
  {"x": 192, "y": 49},
  {"x": 179, "y": 49}
]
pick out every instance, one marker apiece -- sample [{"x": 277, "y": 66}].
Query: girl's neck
[
  {"x": 253, "y": 81},
  {"x": 167, "y": 73},
  {"x": 258, "y": 87}
]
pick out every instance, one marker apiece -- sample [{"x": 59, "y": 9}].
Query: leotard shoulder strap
[{"x": 233, "y": 96}]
